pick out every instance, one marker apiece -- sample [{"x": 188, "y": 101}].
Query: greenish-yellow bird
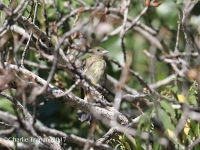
[{"x": 95, "y": 71}]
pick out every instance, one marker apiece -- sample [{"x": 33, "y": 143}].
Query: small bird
[{"x": 95, "y": 71}]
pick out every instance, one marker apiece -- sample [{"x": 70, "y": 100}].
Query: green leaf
[
  {"x": 192, "y": 99},
  {"x": 138, "y": 143},
  {"x": 197, "y": 147},
  {"x": 165, "y": 119},
  {"x": 117, "y": 145},
  {"x": 181, "y": 79},
  {"x": 6, "y": 105},
  {"x": 169, "y": 86},
  {"x": 180, "y": 2},
  {"x": 175, "y": 89},
  {"x": 194, "y": 132},
  {"x": 168, "y": 107},
  {"x": 155, "y": 146},
  {"x": 144, "y": 123}
]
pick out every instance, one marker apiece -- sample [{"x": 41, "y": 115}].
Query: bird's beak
[{"x": 105, "y": 51}]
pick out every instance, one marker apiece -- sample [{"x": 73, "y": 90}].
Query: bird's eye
[{"x": 98, "y": 50}]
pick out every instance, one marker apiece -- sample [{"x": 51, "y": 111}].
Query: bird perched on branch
[{"x": 95, "y": 71}]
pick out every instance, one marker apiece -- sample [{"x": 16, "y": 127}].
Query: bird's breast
[{"x": 95, "y": 70}]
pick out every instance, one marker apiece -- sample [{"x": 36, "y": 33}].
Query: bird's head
[{"x": 99, "y": 51}]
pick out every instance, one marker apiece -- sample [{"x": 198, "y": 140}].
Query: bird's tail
[{"x": 83, "y": 116}]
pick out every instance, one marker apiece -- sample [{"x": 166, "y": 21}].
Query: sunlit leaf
[
  {"x": 172, "y": 135},
  {"x": 186, "y": 130},
  {"x": 181, "y": 98},
  {"x": 127, "y": 145}
]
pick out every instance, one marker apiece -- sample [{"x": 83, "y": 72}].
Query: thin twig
[
  {"x": 31, "y": 34},
  {"x": 69, "y": 90},
  {"x": 123, "y": 31},
  {"x": 176, "y": 50},
  {"x": 107, "y": 136}
]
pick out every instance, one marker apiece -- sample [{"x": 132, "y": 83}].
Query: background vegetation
[{"x": 152, "y": 96}]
